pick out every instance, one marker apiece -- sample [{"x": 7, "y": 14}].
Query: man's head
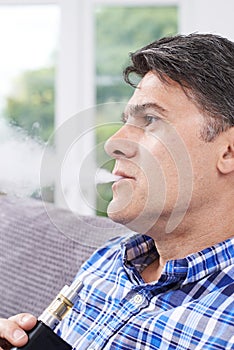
[
  {"x": 184, "y": 100},
  {"x": 203, "y": 64}
]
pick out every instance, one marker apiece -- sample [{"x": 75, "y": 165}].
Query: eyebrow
[{"x": 135, "y": 109}]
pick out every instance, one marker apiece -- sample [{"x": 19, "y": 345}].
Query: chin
[
  {"x": 119, "y": 213},
  {"x": 117, "y": 216},
  {"x": 129, "y": 216}
]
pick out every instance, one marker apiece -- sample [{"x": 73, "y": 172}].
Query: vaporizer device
[{"x": 42, "y": 336}]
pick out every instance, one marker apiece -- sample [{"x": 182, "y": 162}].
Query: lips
[{"x": 122, "y": 175}]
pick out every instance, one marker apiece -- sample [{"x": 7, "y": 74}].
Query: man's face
[{"x": 165, "y": 165}]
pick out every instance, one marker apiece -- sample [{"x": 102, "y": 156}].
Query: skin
[
  {"x": 13, "y": 330},
  {"x": 160, "y": 154}
]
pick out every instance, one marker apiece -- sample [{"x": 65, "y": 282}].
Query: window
[
  {"x": 29, "y": 46},
  {"x": 28, "y": 39}
]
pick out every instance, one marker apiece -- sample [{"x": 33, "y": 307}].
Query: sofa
[{"x": 42, "y": 248}]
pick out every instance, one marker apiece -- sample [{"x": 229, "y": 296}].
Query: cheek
[
  {"x": 158, "y": 165},
  {"x": 205, "y": 174},
  {"x": 164, "y": 178},
  {"x": 170, "y": 173}
]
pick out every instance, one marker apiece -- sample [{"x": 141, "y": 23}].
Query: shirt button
[{"x": 138, "y": 298}]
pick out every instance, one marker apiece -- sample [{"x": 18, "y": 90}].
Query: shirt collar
[
  {"x": 139, "y": 251},
  {"x": 210, "y": 260}
]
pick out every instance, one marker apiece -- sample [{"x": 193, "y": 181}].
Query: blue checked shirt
[{"x": 190, "y": 307}]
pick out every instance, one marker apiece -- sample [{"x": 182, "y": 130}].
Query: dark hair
[{"x": 203, "y": 64}]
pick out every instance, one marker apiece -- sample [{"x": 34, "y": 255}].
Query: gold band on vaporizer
[{"x": 60, "y": 306}]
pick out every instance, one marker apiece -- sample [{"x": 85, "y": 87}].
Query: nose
[{"x": 124, "y": 143}]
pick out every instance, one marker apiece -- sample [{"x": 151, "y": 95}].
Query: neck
[{"x": 192, "y": 235}]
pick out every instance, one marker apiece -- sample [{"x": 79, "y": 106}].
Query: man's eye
[{"x": 150, "y": 119}]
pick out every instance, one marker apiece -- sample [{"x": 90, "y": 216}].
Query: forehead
[
  {"x": 168, "y": 94},
  {"x": 152, "y": 87}
]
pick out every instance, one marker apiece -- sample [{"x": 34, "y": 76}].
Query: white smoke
[
  {"x": 104, "y": 176},
  {"x": 20, "y": 161}
]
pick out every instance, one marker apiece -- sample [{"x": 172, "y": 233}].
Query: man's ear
[{"x": 226, "y": 158}]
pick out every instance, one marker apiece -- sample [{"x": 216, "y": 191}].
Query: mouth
[{"x": 122, "y": 176}]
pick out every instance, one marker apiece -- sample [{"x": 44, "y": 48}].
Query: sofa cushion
[{"x": 42, "y": 248}]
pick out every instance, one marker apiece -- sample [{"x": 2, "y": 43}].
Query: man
[{"x": 171, "y": 286}]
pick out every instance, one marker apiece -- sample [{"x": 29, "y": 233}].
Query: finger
[
  {"x": 25, "y": 321},
  {"x": 13, "y": 329},
  {"x": 10, "y": 331}
]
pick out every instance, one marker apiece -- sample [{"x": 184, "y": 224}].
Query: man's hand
[{"x": 12, "y": 330}]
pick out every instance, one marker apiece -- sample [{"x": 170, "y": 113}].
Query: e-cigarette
[{"x": 42, "y": 337}]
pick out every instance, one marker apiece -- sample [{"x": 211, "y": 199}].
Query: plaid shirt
[{"x": 190, "y": 307}]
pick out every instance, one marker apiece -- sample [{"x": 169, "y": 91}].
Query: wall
[{"x": 214, "y": 16}]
